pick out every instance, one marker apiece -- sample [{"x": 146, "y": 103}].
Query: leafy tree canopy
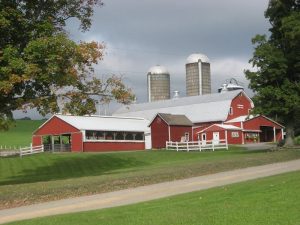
[
  {"x": 276, "y": 80},
  {"x": 40, "y": 66}
]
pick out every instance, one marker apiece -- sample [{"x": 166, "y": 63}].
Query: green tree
[
  {"x": 40, "y": 66},
  {"x": 276, "y": 59}
]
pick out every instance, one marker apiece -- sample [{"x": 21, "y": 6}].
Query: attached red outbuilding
[
  {"x": 258, "y": 128},
  {"x": 221, "y": 132},
  {"x": 91, "y": 133},
  {"x": 168, "y": 127}
]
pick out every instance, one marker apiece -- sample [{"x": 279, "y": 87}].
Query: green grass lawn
[
  {"x": 20, "y": 134},
  {"x": 269, "y": 201},
  {"x": 47, "y": 176}
]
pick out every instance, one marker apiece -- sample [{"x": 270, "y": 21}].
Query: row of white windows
[{"x": 113, "y": 135}]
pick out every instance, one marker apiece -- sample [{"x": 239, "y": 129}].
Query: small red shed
[
  {"x": 167, "y": 127},
  {"x": 258, "y": 128},
  {"x": 221, "y": 132},
  {"x": 92, "y": 133}
]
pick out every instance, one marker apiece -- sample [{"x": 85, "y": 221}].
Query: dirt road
[{"x": 145, "y": 193}]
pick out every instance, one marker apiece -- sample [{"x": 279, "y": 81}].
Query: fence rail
[
  {"x": 31, "y": 150},
  {"x": 196, "y": 145}
]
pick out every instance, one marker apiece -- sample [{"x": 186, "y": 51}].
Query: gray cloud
[{"x": 142, "y": 33}]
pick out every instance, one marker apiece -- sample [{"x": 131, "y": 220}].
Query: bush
[
  {"x": 281, "y": 143},
  {"x": 297, "y": 140}
]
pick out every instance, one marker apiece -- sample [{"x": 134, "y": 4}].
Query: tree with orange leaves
[{"x": 40, "y": 66}]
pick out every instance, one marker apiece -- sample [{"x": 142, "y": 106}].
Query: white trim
[
  {"x": 274, "y": 132},
  {"x": 149, "y": 86},
  {"x": 282, "y": 134},
  {"x": 200, "y": 77},
  {"x": 226, "y": 135},
  {"x": 169, "y": 131},
  {"x": 121, "y": 141},
  {"x": 243, "y": 138}
]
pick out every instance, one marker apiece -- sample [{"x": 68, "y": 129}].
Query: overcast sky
[{"x": 139, "y": 34}]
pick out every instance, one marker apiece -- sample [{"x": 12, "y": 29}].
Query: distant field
[
  {"x": 267, "y": 201},
  {"x": 20, "y": 134},
  {"x": 47, "y": 176}
]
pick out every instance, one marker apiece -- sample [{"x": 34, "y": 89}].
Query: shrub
[
  {"x": 297, "y": 140},
  {"x": 281, "y": 143}
]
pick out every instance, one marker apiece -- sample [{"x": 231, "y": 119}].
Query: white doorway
[
  {"x": 203, "y": 139},
  {"x": 148, "y": 141},
  {"x": 216, "y": 138}
]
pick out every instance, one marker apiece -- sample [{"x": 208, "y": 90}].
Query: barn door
[
  {"x": 203, "y": 138},
  {"x": 216, "y": 138}
]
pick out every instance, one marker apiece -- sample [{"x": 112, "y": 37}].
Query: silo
[
  {"x": 198, "y": 81},
  {"x": 158, "y": 82}
]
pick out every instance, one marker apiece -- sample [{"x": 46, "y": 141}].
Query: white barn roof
[
  {"x": 107, "y": 123},
  {"x": 203, "y": 108}
]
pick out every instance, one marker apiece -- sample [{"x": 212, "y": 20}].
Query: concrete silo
[
  {"x": 198, "y": 81},
  {"x": 158, "y": 82}
]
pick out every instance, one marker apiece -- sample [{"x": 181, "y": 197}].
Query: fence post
[
  {"x": 199, "y": 143},
  {"x": 20, "y": 152},
  {"x": 213, "y": 146},
  {"x": 187, "y": 146},
  {"x": 176, "y": 146},
  {"x": 226, "y": 145}
]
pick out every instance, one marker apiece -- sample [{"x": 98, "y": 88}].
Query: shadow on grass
[{"x": 66, "y": 166}]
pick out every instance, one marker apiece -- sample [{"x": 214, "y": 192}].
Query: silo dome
[
  {"x": 195, "y": 58},
  {"x": 158, "y": 70},
  {"x": 158, "y": 82}
]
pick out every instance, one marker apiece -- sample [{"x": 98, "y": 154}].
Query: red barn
[
  {"x": 258, "y": 128},
  {"x": 168, "y": 127},
  {"x": 223, "y": 113},
  {"x": 92, "y": 133},
  {"x": 221, "y": 132}
]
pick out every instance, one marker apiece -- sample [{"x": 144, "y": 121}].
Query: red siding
[
  {"x": 76, "y": 142},
  {"x": 235, "y": 140},
  {"x": 257, "y": 122},
  {"x": 201, "y": 126},
  {"x": 237, "y": 102},
  {"x": 179, "y": 131},
  {"x": 159, "y": 133},
  {"x": 112, "y": 146},
  {"x": 55, "y": 126},
  {"x": 36, "y": 140},
  {"x": 222, "y": 135}
]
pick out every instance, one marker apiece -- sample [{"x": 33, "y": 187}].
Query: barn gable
[
  {"x": 55, "y": 126},
  {"x": 199, "y": 109}
]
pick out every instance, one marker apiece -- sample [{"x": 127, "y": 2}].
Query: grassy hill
[
  {"x": 20, "y": 134},
  {"x": 266, "y": 201}
]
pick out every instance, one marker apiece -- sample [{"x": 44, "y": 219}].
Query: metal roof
[
  {"x": 223, "y": 126},
  {"x": 158, "y": 70},
  {"x": 202, "y": 108},
  {"x": 179, "y": 120},
  {"x": 237, "y": 119},
  {"x": 107, "y": 123},
  {"x": 195, "y": 58}
]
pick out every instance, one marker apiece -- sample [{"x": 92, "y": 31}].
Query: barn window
[
  {"x": 235, "y": 134},
  {"x": 230, "y": 111},
  {"x": 129, "y": 136},
  {"x": 100, "y": 135},
  {"x": 139, "y": 136},
  {"x": 119, "y": 135},
  {"x": 109, "y": 136}
]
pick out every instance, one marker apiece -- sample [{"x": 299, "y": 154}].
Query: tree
[
  {"x": 41, "y": 67},
  {"x": 276, "y": 81}
]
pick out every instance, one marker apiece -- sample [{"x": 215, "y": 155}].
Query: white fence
[
  {"x": 31, "y": 150},
  {"x": 196, "y": 145}
]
